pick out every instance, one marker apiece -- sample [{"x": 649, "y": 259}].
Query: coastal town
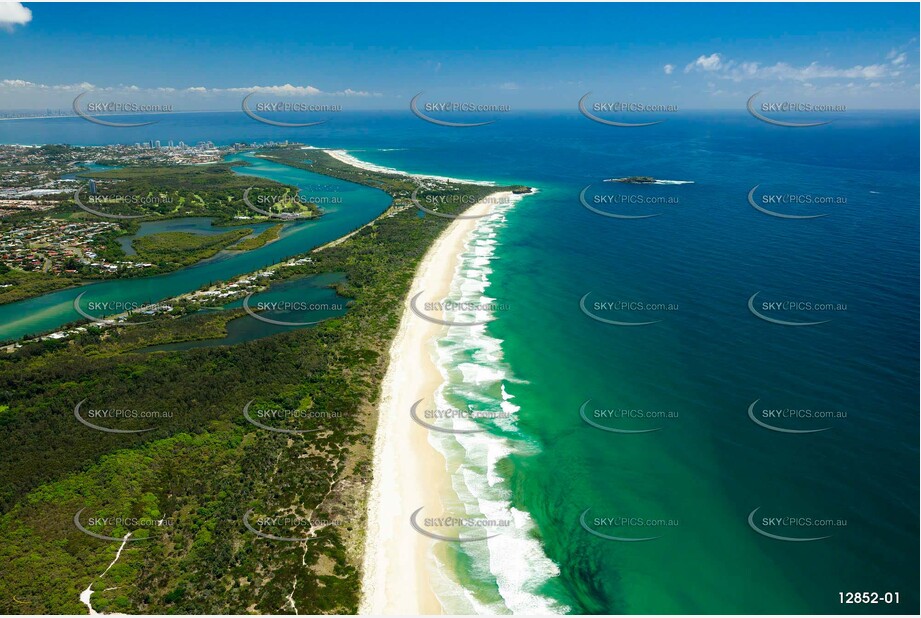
[
  {"x": 41, "y": 230},
  {"x": 39, "y": 178},
  {"x": 57, "y": 246}
]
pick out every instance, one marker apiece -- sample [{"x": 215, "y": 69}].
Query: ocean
[{"x": 666, "y": 446}]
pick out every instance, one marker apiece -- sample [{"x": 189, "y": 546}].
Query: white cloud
[
  {"x": 713, "y": 62},
  {"x": 668, "y": 68},
  {"x": 21, "y": 84},
  {"x": 13, "y": 14},
  {"x": 282, "y": 90},
  {"x": 782, "y": 70},
  {"x": 16, "y": 83},
  {"x": 509, "y": 86},
  {"x": 285, "y": 90},
  {"x": 896, "y": 58}
]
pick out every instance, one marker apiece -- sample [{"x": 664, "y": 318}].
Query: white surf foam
[
  {"x": 655, "y": 182},
  {"x": 471, "y": 363},
  {"x": 346, "y": 157}
]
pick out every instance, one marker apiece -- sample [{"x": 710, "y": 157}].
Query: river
[{"x": 355, "y": 205}]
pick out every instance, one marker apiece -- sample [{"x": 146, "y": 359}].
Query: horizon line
[{"x": 398, "y": 109}]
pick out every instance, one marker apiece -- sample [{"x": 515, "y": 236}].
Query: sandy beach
[
  {"x": 408, "y": 472},
  {"x": 346, "y": 157}
]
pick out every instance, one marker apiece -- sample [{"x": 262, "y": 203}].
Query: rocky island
[{"x": 635, "y": 180}]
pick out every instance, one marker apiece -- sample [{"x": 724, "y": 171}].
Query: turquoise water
[
  {"x": 695, "y": 480},
  {"x": 358, "y": 205},
  {"x": 192, "y": 225},
  {"x": 91, "y": 166},
  {"x": 708, "y": 466},
  {"x": 314, "y": 290}
]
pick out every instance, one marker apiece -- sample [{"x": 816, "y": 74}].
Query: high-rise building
[{"x": 92, "y": 187}]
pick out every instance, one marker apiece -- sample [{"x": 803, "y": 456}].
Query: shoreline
[
  {"x": 408, "y": 471},
  {"x": 343, "y": 156}
]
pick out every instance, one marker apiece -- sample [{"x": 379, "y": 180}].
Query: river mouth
[{"x": 354, "y": 206}]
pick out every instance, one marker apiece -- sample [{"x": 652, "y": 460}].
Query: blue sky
[{"x": 528, "y": 56}]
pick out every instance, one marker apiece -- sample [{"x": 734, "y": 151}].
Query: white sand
[
  {"x": 85, "y": 596},
  {"x": 345, "y": 157},
  {"x": 408, "y": 472}
]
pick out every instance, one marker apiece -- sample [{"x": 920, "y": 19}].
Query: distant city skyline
[{"x": 198, "y": 57}]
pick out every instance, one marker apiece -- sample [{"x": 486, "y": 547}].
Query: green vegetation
[
  {"x": 287, "y": 202},
  {"x": 171, "y": 250},
  {"x": 154, "y": 191},
  {"x": 265, "y": 237},
  {"x": 213, "y": 190},
  {"x": 204, "y": 466},
  {"x": 19, "y": 284}
]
